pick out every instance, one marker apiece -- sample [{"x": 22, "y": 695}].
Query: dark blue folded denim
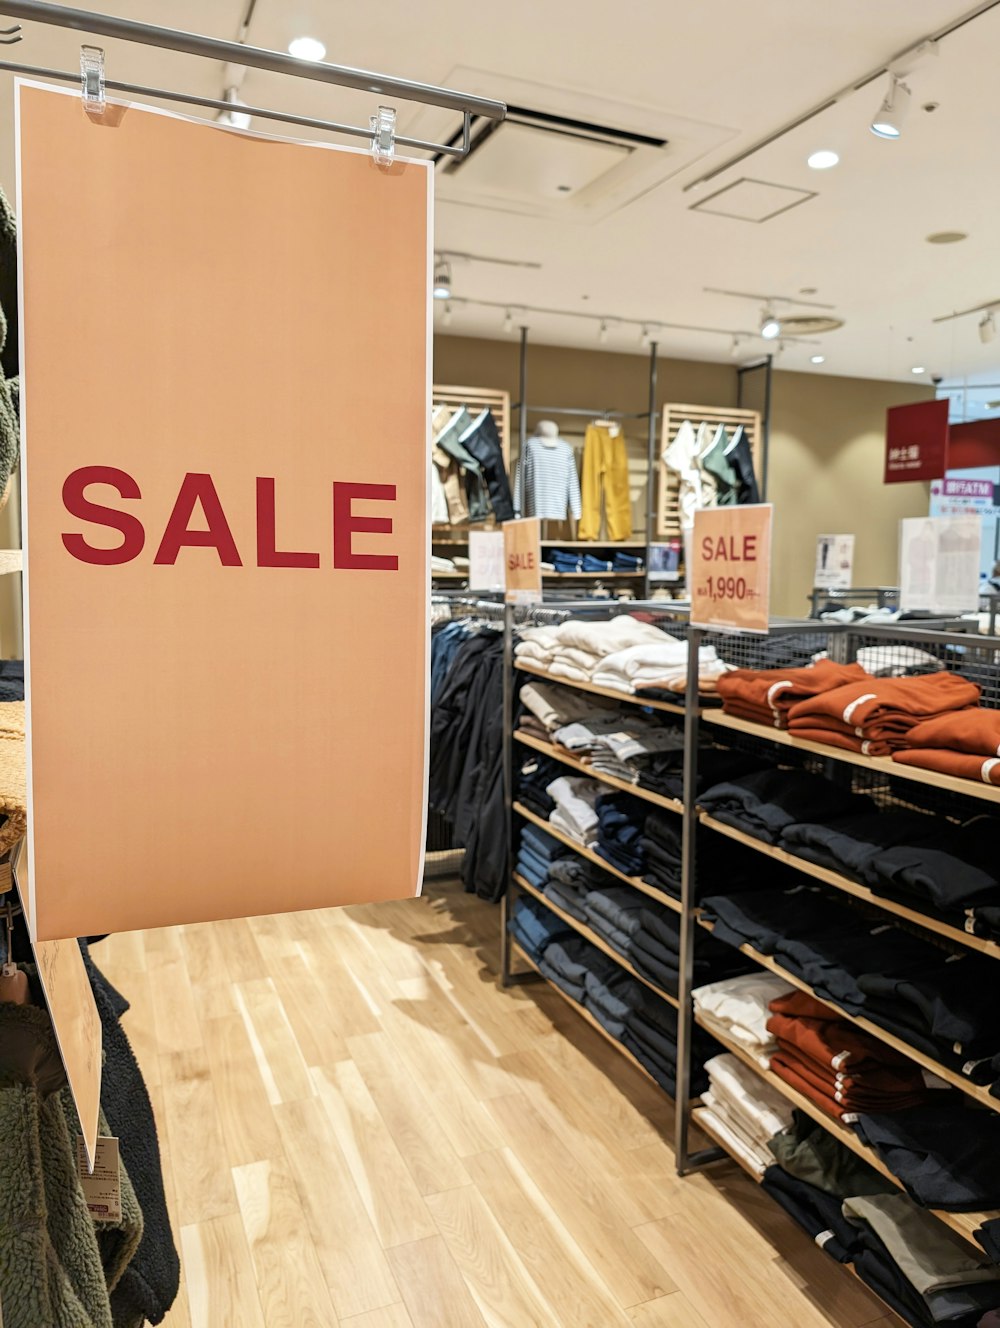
[
  {"x": 946, "y": 1155},
  {"x": 619, "y": 905},
  {"x": 541, "y": 844},
  {"x": 570, "y": 898},
  {"x": 630, "y": 864},
  {"x": 618, "y": 940},
  {"x": 538, "y": 924},
  {"x": 659, "y": 1070},
  {"x": 524, "y": 940},
  {"x": 594, "y": 564},
  {"x": 532, "y": 868}
]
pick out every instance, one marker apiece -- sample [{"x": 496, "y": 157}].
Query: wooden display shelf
[
  {"x": 882, "y": 765},
  {"x": 977, "y": 1091},
  {"x": 702, "y": 1117},
  {"x": 844, "y": 883},
  {"x": 589, "y": 1018},
  {"x": 564, "y": 758},
  {"x": 584, "y": 852},
  {"x": 668, "y": 707},
  {"x": 449, "y": 576},
  {"x": 592, "y": 576},
  {"x": 592, "y": 936},
  {"x": 964, "y": 1224}
]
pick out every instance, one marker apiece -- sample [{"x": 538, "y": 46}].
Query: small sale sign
[
  {"x": 730, "y": 572},
  {"x": 523, "y": 560}
]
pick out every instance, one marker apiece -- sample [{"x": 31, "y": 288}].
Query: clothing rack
[
  {"x": 890, "y": 782},
  {"x": 380, "y": 132},
  {"x": 668, "y": 512}
]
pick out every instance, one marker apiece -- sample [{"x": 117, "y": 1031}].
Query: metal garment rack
[
  {"x": 522, "y": 406},
  {"x": 229, "y": 52},
  {"x": 767, "y": 365}
]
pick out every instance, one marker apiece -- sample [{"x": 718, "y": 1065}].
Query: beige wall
[
  {"x": 825, "y": 478},
  {"x": 826, "y": 453}
]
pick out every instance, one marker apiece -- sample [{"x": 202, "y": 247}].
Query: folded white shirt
[
  {"x": 733, "y": 1140},
  {"x": 605, "y": 638},
  {"x": 740, "y": 1005},
  {"x": 581, "y": 659},
  {"x": 764, "y": 1109}
]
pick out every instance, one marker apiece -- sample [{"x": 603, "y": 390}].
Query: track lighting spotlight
[
  {"x": 644, "y": 336},
  {"x": 770, "y": 327},
  {"x": 734, "y": 349},
  {"x": 442, "y": 279},
  {"x": 987, "y": 327},
  {"x": 508, "y": 322},
  {"x": 447, "y": 315},
  {"x": 888, "y": 120},
  {"x": 602, "y": 335}
]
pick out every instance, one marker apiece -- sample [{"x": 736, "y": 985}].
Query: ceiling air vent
[{"x": 808, "y": 325}]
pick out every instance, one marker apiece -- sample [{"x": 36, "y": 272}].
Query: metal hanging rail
[{"x": 229, "y": 52}]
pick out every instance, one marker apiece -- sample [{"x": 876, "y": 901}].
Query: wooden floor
[{"x": 361, "y": 1129}]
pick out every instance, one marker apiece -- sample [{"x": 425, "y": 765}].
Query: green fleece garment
[
  {"x": 51, "y": 1275},
  {"x": 10, "y": 434}
]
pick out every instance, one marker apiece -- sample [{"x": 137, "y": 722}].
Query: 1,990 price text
[{"x": 728, "y": 587}]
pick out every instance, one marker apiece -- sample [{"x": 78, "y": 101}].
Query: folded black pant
[
  {"x": 954, "y": 871},
  {"x": 768, "y": 801},
  {"x": 850, "y": 843},
  {"x": 814, "y": 1210},
  {"x": 946, "y": 1155}
]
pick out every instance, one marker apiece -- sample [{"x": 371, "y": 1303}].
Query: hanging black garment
[
  {"x": 740, "y": 457},
  {"x": 482, "y": 440}
]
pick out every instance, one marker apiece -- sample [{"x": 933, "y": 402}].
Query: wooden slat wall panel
[{"x": 668, "y": 521}]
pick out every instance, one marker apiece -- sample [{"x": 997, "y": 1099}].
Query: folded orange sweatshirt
[
  {"x": 859, "y": 704},
  {"x": 962, "y": 766},
  {"x": 974, "y": 731},
  {"x": 777, "y": 690}
]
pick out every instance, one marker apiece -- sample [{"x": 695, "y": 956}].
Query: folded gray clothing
[
  {"x": 586, "y": 734},
  {"x": 572, "y": 989},
  {"x": 570, "y": 898},
  {"x": 605, "y": 764},
  {"x": 615, "y": 1027},
  {"x": 570, "y": 871},
  {"x": 618, "y": 940},
  {"x": 613, "y": 991},
  {"x": 618, "y": 905},
  {"x": 574, "y": 957},
  {"x": 663, "y": 924},
  {"x": 648, "y": 741}
]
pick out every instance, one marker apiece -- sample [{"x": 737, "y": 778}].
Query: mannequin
[
  {"x": 547, "y": 484},
  {"x": 548, "y": 432}
]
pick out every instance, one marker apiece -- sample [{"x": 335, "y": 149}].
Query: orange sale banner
[
  {"x": 523, "y": 560},
  {"x": 226, "y": 378},
  {"x": 730, "y": 572}
]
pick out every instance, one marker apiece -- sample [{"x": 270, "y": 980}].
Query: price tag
[
  {"x": 102, "y": 1186},
  {"x": 730, "y": 568},
  {"x": 523, "y": 560}
]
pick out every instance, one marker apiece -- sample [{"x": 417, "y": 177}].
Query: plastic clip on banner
[{"x": 730, "y": 573}]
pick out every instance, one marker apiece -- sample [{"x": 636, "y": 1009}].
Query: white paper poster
[
  {"x": 486, "y": 564},
  {"x": 939, "y": 563},
  {"x": 834, "y": 562}
]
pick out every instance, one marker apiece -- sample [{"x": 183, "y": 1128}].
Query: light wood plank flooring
[{"x": 361, "y": 1129}]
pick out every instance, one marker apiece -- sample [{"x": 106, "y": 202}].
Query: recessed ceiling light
[
  {"x": 306, "y": 48},
  {"x": 817, "y": 359},
  {"x": 918, "y": 369},
  {"x": 947, "y": 237},
  {"x": 823, "y": 159}
]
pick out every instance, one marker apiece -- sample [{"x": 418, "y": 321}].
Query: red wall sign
[{"x": 916, "y": 442}]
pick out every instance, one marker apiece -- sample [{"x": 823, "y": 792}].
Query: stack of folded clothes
[
  {"x": 651, "y": 1036},
  {"x": 908, "y": 1257},
  {"x": 611, "y": 995},
  {"x": 536, "y": 645},
  {"x": 552, "y": 707},
  {"x": 627, "y": 562},
  {"x": 565, "y": 560},
  {"x": 583, "y": 646},
  {"x": 617, "y": 744},
  {"x": 566, "y": 962},
  {"x": 738, "y": 1008},
  {"x": 765, "y": 696},
  {"x": 662, "y": 664},
  {"x": 943, "y": 1004},
  {"x": 948, "y": 870},
  {"x": 575, "y": 811},
  {"x": 535, "y": 773},
  {"x": 655, "y": 951},
  {"x": 621, "y": 818},
  {"x": 766, "y": 802},
  {"x": 536, "y": 854},
  {"x": 664, "y": 772},
  {"x": 874, "y": 716},
  {"x": 850, "y": 844},
  {"x": 964, "y": 743},
  {"x": 945, "y": 1153},
  {"x": 744, "y": 1111},
  {"x": 571, "y": 879},
  {"x": 661, "y": 849},
  {"x": 835, "y": 1065},
  {"x": 535, "y": 927},
  {"x": 612, "y": 911}
]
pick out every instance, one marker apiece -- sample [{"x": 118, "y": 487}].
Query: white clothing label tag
[
  {"x": 102, "y": 1188},
  {"x": 970, "y": 926},
  {"x": 823, "y": 1238},
  {"x": 850, "y": 1118}
]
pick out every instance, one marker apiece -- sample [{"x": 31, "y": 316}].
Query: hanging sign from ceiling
[
  {"x": 226, "y": 364},
  {"x": 916, "y": 442}
]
